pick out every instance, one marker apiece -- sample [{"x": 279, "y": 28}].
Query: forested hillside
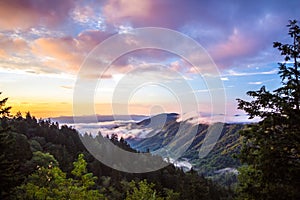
[
  {"x": 40, "y": 159},
  {"x": 221, "y": 156}
]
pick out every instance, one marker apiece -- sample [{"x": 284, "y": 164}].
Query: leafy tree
[
  {"x": 45, "y": 183},
  {"x": 142, "y": 191},
  {"x": 51, "y": 183},
  {"x": 40, "y": 159},
  {"x": 81, "y": 177},
  {"x": 271, "y": 147},
  {"x": 35, "y": 146}
]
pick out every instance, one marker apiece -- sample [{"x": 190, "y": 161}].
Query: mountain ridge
[
  {"x": 220, "y": 157},
  {"x": 100, "y": 118}
]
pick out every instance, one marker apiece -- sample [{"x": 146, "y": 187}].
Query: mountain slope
[{"x": 220, "y": 157}]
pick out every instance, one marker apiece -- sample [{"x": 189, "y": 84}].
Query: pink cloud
[
  {"x": 176, "y": 66},
  {"x": 116, "y": 10},
  {"x": 90, "y": 38},
  {"x": 236, "y": 46},
  {"x": 16, "y": 14}
]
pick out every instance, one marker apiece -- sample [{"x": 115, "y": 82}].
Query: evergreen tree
[
  {"x": 4, "y": 111},
  {"x": 15, "y": 150},
  {"x": 271, "y": 147}
]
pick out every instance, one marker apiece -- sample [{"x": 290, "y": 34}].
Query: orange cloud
[
  {"x": 62, "y": 50},
  {"x": 3, "y": 54},
  {"x": 66, "y": 53},
  {"x": 10, "y": 45}
]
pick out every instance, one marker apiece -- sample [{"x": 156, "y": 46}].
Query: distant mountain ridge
[
  {"x": 167, "y": 117},
  {"x": 220, "y": 157},
  {"x": 157, "y": 131},
  {"x": 100, "y": 118}
]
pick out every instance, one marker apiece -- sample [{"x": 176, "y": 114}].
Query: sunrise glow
[{"x": 43, "y": 45}]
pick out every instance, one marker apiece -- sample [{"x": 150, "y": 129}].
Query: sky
[{"x": 43, "y": 46}]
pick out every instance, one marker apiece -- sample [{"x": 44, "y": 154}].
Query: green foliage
[
  {"x": 35, "y": 146},
  {"x": 171, "y": 195},
  {"x": 51, "y": 183},
  {"x": 250, "y": 183},
  {"x": 40, "y": 159},
  {"x": 271, "y": 147},
  {"x": 82, "y": 178},
  {"x": 79, "y": 166},
  {"x": 142, "y": 191},
  {"x": 15, "y": 151},
  {"x": 222, "y": 155},
  {"x": 45, "y": 183}
]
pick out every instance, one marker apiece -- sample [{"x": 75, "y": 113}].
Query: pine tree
[
  {"x": 272, "y": 147},
  {"x": 15, "y": 150},
  {"x": 4, "y": 111}
]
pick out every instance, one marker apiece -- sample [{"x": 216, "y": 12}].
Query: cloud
[
  {"x": 67, "y": 53},
  {"x": 23, "y": 14},
  {"x": 10, "y": 45},
  {"x": 81, "y": 14},
  {"x": 88, "y": 39},
  {"x": 88, "y": 16},
  {"x": 67, "y": 87},
  {"x": 225, "y": 79},
  {"x": 176, "y": 65},
  {"x": 116, "y": 11},
  {"x": 234, "y": 73},
  {"x": 231, "y": 31},
  {"x": 58, "y": 52},
  {"x": 255, "y": 83},
  {"x": 236, "y": 45},
  {"x": 48, "y": 54},
  {"x": 234, "y": 33},
  {"x": 3, "y": 53}
]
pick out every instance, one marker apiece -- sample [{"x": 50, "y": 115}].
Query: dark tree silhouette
[
  {"x": 271, "y": 147},
  {"x": 4, "y": 111}
]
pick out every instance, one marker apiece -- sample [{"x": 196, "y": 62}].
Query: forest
[{"x": 42, "y": 160}]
